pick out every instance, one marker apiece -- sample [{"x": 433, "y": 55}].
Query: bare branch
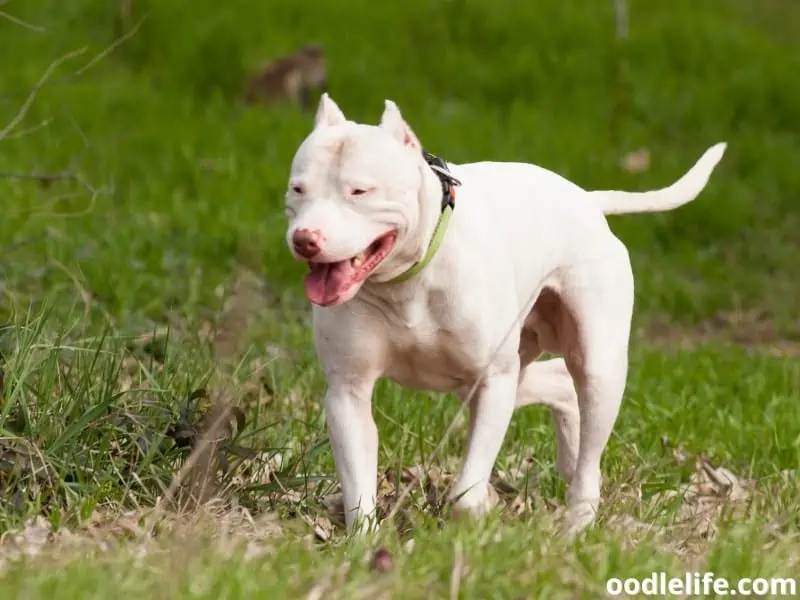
[
  {"x": 20, "y": 22},
  {"x": 621, "y": 14},
  {"x": 21, "y": 243},
  {"x": 44, "y": 178},
  {"x": 29, "y": 130},
  {"x": 113, "y": 46},
  {"x": 39, "y": 84}
]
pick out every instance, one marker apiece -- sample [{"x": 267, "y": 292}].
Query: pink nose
[{"x": 306, "y": 242}]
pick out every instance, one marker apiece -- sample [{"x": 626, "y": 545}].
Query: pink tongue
[{"x": 327, "y": 281}]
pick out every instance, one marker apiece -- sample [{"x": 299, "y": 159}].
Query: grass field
[{"x": 147, "y": 277}]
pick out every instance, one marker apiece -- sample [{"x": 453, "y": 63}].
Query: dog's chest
[
  {"x": 433, "y": 364},
  {"x": 432, "y": 349}
]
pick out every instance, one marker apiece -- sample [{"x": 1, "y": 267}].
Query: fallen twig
[
  {"x": 20, "y": 22},
  {"x": 23, "y": 111}
]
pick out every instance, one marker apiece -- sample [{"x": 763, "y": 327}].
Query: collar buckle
[{"x": 448, "y": 181}]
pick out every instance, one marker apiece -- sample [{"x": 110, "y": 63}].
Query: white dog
[{"x": 462, "y": 292}]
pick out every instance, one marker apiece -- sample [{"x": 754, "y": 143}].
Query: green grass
[{"x": 114, "y": 275}]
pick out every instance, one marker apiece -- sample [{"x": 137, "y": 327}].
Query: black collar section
[{"x": 439, "y": 166}]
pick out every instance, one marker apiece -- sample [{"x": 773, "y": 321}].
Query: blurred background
[
  {"x": 140, "y": 171},
  {"x": 145, "y": 148}
]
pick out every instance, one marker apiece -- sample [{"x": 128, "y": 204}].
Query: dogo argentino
[{"x": 462, "y": 292}]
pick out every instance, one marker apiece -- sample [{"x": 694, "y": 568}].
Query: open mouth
[{"x": 330, "y": 282}]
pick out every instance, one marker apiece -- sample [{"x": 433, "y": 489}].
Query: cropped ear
[
  {"x": 394, "y": 124},
  {"x": 328, "y": 113}
]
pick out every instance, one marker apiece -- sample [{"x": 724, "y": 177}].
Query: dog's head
[{"x": 353, "y": 201}]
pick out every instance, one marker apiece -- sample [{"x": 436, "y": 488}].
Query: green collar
[
  {"x": 448, "y": 204},
  {"x": 436, "y": 240}
]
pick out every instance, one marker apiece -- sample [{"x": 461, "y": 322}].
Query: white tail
[{"x": 683, "y": 191}]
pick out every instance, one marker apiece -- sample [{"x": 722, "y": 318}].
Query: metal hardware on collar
[
  {"x": 439, "y": 166},
  {"x": 449, "y": 182}
]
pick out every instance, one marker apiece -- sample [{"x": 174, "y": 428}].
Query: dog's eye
[
  {"x": 298, "y": 189},
  {"x": 358, "y": 192}
]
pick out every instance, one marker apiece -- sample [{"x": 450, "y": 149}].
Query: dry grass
[{"x": 752, "y": 329}]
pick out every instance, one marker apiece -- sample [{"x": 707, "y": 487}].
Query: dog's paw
[
  {"x": 364, "y": 529},
  {"x": 580, "y": 515},
  {"x": 362, "y": 525},
  {"x": 475, "y": 502}
]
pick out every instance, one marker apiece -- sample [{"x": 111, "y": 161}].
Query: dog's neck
[
  {"x": 430, "y": 211},
  {"x": 420, "y": 235}
]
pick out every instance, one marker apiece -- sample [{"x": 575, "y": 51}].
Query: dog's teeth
[{"x": 358, "y": 259}]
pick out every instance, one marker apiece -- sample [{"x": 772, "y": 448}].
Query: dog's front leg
[
  {"x": 354, "y": 441},
  {"x": 491, "y": 409}
]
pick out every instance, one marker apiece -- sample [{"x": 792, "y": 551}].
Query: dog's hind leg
[
  {"x": 548, "y": 382},
  {"x": 599, "y": 295}
]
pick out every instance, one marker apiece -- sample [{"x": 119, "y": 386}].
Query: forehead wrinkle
[
  {"x": 319, "y": 155},
  {"x": 333, "y": 147},
  {"x": 342, "y": 154},
  {"x": 337, "y": 153},
  {"x": 329, "y": 148},
  {"x": 362, "y": 158}
]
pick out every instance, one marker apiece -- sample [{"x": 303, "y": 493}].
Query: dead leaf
[
  {"x": 500, "y": 484},
  {"x": 679, "y": 454},
  {"x": 28, "y": 541},
  {"x": 709, "y": 491},
  {"x": 102, "y": 526},
  {"x": 408, "y": 547},
  {"x": 637, "y": 161},
  {"x": 321, "y": 526}
]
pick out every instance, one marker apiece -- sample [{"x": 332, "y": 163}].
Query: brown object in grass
[
  {"x": 382, "y": 561},
  {"x": 299, "y": 78}
]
